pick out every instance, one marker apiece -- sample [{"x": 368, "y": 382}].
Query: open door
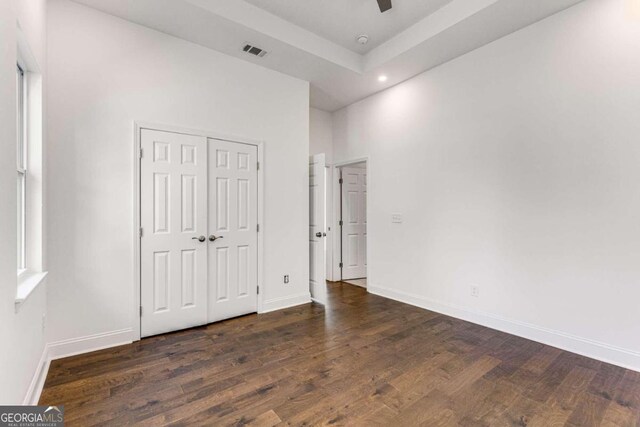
[
  {"x": 354, "y": 223},
  {"x": 317, "y": 229}
]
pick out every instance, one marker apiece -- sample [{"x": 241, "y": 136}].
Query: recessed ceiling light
[{"x": 382, "y": 78}]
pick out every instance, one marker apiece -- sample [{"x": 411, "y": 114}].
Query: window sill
[{"x": 27, "y": 283}]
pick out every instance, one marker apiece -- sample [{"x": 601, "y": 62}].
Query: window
[
  {"x": 21, "y": 161},
  {"x": 29, "y": 142}
]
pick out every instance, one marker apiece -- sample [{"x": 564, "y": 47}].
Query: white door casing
[
  {"x": 317, "y": 228},
  {"x": 328, "y": 244},
  {"x": 173, "y": 214},
  {"x": 233, "y": 219},
  {"x": 354, "y": 223}
]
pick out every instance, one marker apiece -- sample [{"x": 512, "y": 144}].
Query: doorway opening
[{"x": 337, "y": 224}]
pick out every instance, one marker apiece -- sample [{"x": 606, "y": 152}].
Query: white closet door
[
  {"x": 233, "y": 221},
  {"x": 173, "y": 179},
  {"x": 317, "y": 229},
  {"x": 354, "y": 223}
]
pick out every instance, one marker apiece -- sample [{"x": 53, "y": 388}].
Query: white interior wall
[
  {"x": 21, "y": 330},
  {"x": 321, "y": 134},
  {"x": 106, "y": 73},
  {"x": 517, "y": 169}
]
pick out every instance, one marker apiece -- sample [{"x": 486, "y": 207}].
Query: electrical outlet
[
  {"x": 286, "y": 278},
  {"x": 475, "y": 291}
]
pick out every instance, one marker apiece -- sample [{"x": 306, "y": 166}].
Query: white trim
[
  {"x": 197, "y": 132},
  {"x": 71, "y": 347},
  {"x": 352, "y": 162},
  {"x": 329, "y": 222},
  {"x": 138, "y": 126},
  {"x": 74, "y": 346},
  {"x": 136, "y": 324},
  {"x": 622, "y": 357},
  {"x": 335, "y": 223},
  {"x": 27, "y": 283},
  {"x": 37, "y": 382},
  {"x": 261, "y": 224},
  {"x": 348, "y": 282},
  {"x": 286, "y": 302},
  {"x": 34, "y": 145}
]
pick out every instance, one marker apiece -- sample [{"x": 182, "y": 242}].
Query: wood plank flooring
[{"x": 364, "y": 361}]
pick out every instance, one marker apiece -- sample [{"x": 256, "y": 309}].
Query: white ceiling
[
  {"x": 339, "y": 75},
  {"x": 342, "y": 21}
]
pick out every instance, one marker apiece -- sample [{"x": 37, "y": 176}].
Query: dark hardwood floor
[{"x": 365, "y": 360}]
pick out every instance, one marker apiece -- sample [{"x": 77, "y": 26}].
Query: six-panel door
[
  {"x": 233, "y": 221},
  {"x": 173, "y": 208},
  {"x": 354, "y": 218},
  {"x": 199, "y": 222}
]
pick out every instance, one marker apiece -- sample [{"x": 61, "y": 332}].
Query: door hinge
[
  {"x": 341, "y": 223},
  {"x": 258, "y": 289},
  {"x": 258, "y": 228},
  {"x": 141, "y": 232},
  {"x": 340, "y": 265},
  {"x": 340, "y": 181},
  {"x": 141, "y": 152},
  {"x": 140, "y": 311},
  {"x": 258, "y": 165}
]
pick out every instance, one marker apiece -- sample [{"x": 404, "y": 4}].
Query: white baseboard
[
  {"x": 39, "y": 377},
  {"x": 71, "y": 347},
  {"x": 285, "y": 302},
  {"x": 354, "y": 284},
  {"x": 622, "y": 357}
]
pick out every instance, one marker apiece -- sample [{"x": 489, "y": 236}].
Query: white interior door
[
  {"x": 233, "y": 222},
  {"x": 173, "y": 215},
  {"x": 317, "y": 229},
  {"x": 354, "y": 223}
]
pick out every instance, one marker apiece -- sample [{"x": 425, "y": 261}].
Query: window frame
[{"x": 21, "y": 167}]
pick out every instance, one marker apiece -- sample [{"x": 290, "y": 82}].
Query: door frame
[
  {"x": 138, "y": 126},
  {"x": 336, "y": 250}
]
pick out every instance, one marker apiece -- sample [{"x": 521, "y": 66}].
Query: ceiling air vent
[{"x": 252, "y": 50}]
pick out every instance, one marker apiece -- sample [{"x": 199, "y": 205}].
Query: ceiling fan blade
[{"x": 384, "y": 5}]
